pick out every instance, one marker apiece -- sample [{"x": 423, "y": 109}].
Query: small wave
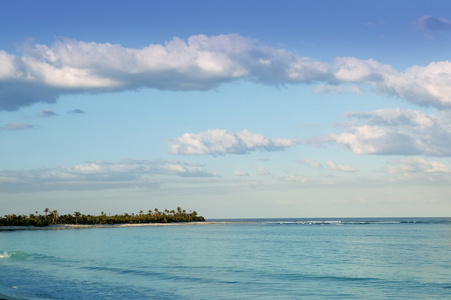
[
  {"x": 17, "y": 255},
  {"x": 309, "y": 222},
  {"x": 354, "y": 221}
]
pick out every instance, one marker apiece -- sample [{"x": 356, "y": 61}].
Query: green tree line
[{"x": 52, "y": 217}]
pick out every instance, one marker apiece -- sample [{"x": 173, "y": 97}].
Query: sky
[{"x": 234, "y": 109}]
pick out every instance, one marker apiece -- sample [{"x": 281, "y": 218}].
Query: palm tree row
[{"x": 51, "y": 217}]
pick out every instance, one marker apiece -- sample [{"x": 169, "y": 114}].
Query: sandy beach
[{"x": 72, "y": 226}]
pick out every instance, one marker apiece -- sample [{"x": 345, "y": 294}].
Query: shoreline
[{"x": 81, "y": 226}]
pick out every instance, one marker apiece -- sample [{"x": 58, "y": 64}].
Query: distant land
[{"x": 52, "y": 217}]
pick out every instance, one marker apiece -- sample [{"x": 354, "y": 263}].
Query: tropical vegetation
[{"x": 52, "y": 217}]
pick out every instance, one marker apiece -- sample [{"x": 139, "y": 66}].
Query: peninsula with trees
[{"x": 52, "y": 217}]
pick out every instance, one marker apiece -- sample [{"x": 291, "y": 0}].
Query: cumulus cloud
[
  {"x": 43, "y": 72},
  {"x": 397, "y": 132},
  {"x": 351, "y": 69},
  {"x": 219, "y": 141},
  {"x": 419, "y": 170},
  {"x": 429, "y": 85},
  {"x": 430, "y": 23},
  {"x": 99, "y": 175},
  {"x": 342, "y": 168},
  {"x": 12, "y": 126},
  {"x": 422, "y": 85},
  {"x": 410, "y": 165}
]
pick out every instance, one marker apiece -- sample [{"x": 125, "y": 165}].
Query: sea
[{"x": 380, "y": 258}]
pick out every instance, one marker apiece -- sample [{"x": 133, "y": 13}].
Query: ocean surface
[{"x": 245, "y": 259}]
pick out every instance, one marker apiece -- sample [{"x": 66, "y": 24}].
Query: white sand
[{"x": 73, "y": 226}]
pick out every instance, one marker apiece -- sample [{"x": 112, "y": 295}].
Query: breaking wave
[
  {"x": 16, "y": 255},
  {"x": 340, "y": 221}
]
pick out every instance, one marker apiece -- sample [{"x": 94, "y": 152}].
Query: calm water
[{"x": 267, "y": 259}]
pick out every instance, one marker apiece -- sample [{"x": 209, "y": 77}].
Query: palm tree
[
  {"x": 77, "y": 214},
  {"x": 54, "y": 216}
]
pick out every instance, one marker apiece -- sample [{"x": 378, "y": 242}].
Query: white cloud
[
  {"x": 397, "y": 132},
  {"x": 296, "y": 178},
  {"x": 419, "y": 170},
  {"x": 410, "y": 165},
  {"x": 12, "y": 126},
  {"x": 336, "y": 89},
  {"x": 311, "y": 163},
  {"x": 47, "y": 114},
  {"x": 428, "y": 86},
  {"x": 99, "y": 175},
  {"x": 342, "y": 168},
  {"x": 219, "y": 141},
  {"x": 261, "y": 171},
  {"x": 44, "y": 72},
  {"x": 351, "y": 69},
  {"x": 240, "y": 173}
]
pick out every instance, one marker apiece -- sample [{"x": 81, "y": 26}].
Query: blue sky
[{"x": 230, "y": 108}]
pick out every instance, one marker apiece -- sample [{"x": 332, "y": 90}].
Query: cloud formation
[
  {"x": 47, "y": 114},
  {"x": 426, "y": 86},
  {"x": 419, "y": 170},
  {"x": 98, "y": 175},
  {"x": 311, "y": 163},
  {"x": 397, "y": 132},
  {"x": 12, "y": 126},
  {"x": 342, "y": 168},
  {"x": 43, "y": 73},
  {"x": 296, "y": 178},
  {"x": 430, "y": 23},
  {"x": 261, "y": 171},
  {"x": 240, "y": 173},
  {"x": 415, "y": 164},
  {"x": 77, "y": 112},
  {"x": 219, "y": 141}
]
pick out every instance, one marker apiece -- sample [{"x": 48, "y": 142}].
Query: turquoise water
[{"x": 262, "y": 259}]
